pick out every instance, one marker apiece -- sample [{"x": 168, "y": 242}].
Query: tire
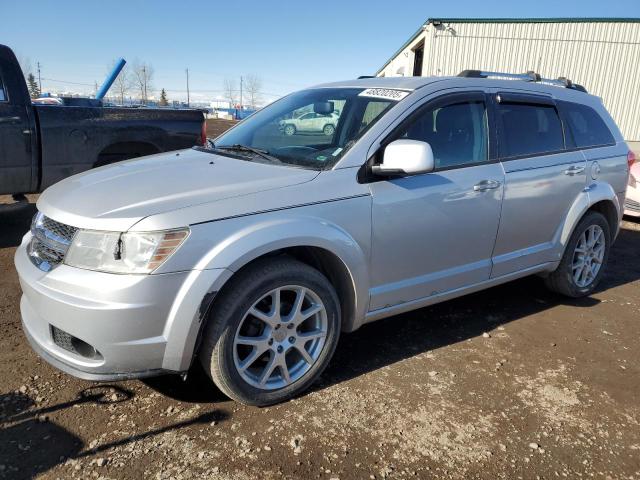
[
  {"x": 563, "y": 279},
  {"x": 224, "y": 351},
  {"x": 328, "y": 130},
  {"x": 289, "y": 130}
]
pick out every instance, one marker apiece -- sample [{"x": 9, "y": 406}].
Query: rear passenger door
[{"x": 542, "y": 180}]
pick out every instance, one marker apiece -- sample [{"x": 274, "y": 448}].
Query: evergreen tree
[
  {"x": 163, "y": 98},
  {"x": 32, "y": 85}
]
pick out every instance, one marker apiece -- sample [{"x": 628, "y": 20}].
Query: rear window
[
  {"x": 3, "y": 95},
  {"x": 587, "y": 126},
  {"x": 530, "y": 129}
]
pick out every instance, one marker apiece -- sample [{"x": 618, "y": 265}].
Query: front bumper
[{"x": 139, "y": 325}]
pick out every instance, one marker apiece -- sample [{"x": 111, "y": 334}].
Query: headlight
[{"x": 117, "y": 252}]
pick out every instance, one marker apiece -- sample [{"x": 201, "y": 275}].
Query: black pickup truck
[{"x": 42, "y": 144}]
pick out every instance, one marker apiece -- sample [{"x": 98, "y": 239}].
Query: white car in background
[
  {"x": 311, "y": 122},
  {"x": 632, "y": 203}
]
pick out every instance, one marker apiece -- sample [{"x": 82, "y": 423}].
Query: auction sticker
[{"x": 386, "y": 93}]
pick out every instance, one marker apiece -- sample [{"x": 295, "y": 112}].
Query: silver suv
[{"x": 252, "y": 254}]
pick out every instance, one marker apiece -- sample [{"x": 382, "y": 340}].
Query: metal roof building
[{"x": 603, "y": 54}]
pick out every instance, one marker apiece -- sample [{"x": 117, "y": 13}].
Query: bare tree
[
  {"x": 123, "y": 83},
  {"x": 230, "y": 91},
  {"x": 253, "y": 87},
  {"x": 25, "y": 64},
  {"x": 143, "y": 78}
]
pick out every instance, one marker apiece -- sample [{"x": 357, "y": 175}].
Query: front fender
[{"x": 240, "y": 244}]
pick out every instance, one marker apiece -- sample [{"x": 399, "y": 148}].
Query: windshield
[{"x": 311, "y": 128}]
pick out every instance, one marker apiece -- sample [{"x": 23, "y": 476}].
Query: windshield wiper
[{"x": 244, "y": 148}]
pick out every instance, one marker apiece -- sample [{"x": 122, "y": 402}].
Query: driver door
[{"x": 433, "y": 233}]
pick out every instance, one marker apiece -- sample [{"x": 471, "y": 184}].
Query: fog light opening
[{"x": 73, "y": 344}]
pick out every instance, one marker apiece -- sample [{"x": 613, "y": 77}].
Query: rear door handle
[
  {"x": 485, "y": 185},
  {"x": 574, "y": 170},
  {"x": 10, "y": 120}
]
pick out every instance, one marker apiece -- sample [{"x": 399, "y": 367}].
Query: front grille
[
  {"x": 50, "y": 242},
  {"x": 59, "y": 230},
  {"x": 632, "y": 205}
]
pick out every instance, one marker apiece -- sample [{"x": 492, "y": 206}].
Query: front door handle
[
  {"x": 485, "y": 185},
  {"x": 574, "y": 170},
  {"x": 9, "y": 120}
]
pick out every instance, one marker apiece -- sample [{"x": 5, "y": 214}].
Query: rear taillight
[
  {"x": 203, "y": 134},
  {"x": 631, "y": 158}
]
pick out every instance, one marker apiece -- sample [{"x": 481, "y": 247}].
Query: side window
[
  {"x": 3, "y": 94},
  {"x": 457, "y": 133},
  {"x": 529, "y": 129},
  {"x": 587, "y": 127}
]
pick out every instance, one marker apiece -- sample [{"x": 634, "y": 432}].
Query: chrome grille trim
[{"x": 50, "y": 242}]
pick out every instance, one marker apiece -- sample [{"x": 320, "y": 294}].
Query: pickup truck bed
[
  {"x": 74, "y": 139},
  {"x": 42, "y": 144}
]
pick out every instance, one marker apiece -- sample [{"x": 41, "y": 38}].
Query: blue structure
[{"x": 110, "y": 79}]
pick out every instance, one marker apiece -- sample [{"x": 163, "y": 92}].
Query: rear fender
[{"x": 594, "y": 193}]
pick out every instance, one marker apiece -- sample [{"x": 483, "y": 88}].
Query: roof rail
[{"x": 526, "y": 77}]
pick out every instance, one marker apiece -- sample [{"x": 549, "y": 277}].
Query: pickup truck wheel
[
  {"x": 328, "y": 130},
  {"x": 289, "y": 130},
  {"x": 272, "y": 332},
  {"x": 584, "y": 259}
]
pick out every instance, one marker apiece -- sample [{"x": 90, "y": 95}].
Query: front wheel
[
  {"x": 272, "y": 332},
  {"x": 289, "y": 130},
  {"x": 328, "y": 130},
  {"x": 584, "y": 259}
]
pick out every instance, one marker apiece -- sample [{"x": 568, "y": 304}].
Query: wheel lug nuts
[
  {"x": 290, "y": 326},
  {"x": 292, "y": 339},
  {"x": 271, "y": 341},
  {"x": 280, "y": 349}
]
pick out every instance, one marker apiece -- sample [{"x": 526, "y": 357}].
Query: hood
[{"x": 117, "y": 196}]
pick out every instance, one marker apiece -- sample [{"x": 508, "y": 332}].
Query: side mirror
[{"x": 406, "y": 157}]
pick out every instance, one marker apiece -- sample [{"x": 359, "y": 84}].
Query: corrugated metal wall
[{"x": 602, "y": 56}]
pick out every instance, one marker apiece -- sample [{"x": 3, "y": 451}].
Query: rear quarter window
[
  {"x": 3, "y": 94},
  {"x": 586, "y": 125}
]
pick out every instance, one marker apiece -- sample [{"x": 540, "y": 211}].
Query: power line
[{"x": 65, "y": 81}]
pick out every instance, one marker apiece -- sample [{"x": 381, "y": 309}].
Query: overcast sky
[{"x": 290, "y": 44}]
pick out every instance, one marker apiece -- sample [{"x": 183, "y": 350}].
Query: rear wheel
[
  {"x": 584, "y": 259},
  {"x": 272, "y": 332},
  {"x": 289, "y": 129}
]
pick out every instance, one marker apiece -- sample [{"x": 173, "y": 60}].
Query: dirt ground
[
  {"x": 217, "y": 126},
  {"x": 513, "y": 382}
]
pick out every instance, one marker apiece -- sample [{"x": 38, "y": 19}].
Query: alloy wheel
[
  {"x": 280, "y": 337},
  {"x": 588, "y": 256}
]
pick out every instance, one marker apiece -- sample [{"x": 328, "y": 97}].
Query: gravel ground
[{"x": 513, "y": 382}]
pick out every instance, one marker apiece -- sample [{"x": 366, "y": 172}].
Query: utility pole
[
  {"x": 240, "y": 92},
  {"x": 39, "y": 80},
  {"x": 187, "y": 70}
]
